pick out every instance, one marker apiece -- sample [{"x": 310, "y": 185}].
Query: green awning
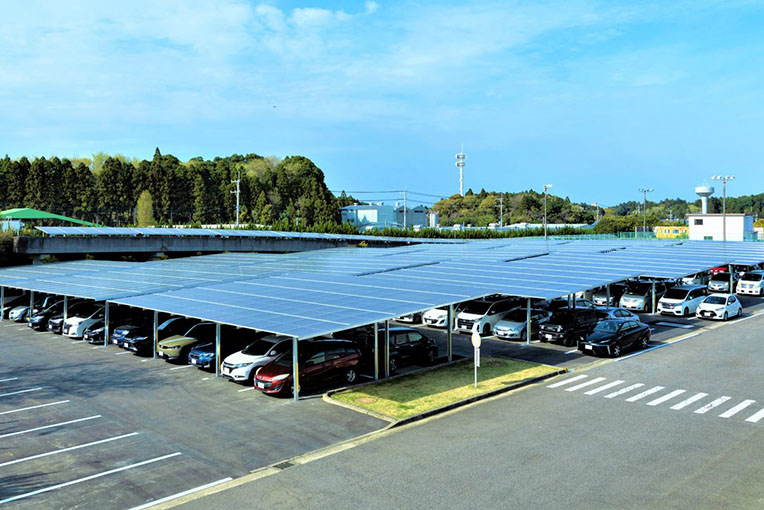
[{"x": 34, "y": 214}]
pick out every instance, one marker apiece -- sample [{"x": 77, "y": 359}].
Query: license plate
[
  {"x": 160, "y": 354},
  {"x": 261, "y": 385},
  {"x": 588, "y": 347},
  {"x": 548, "y": 336},
  {"x": 193, "y": 362}
]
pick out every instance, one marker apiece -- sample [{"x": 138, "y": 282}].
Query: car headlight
[
  {"x": 280, "y": 377},
  {"x": 241, "y": 365}
]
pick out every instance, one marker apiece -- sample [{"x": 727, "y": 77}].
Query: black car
[
  {"x": 39, "y": 320},
  {"x": 568, "y": 325},
  {"x": 407, "y": 346},
  {"x": 611, "y": 337},
  {"x": 140, "y": 339},
  {"x": 56, "y": 322},
  {"x": 95, "y": 332}
]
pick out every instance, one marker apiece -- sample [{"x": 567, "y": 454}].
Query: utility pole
[
  {"x": 237, "y": 192},
  {"x": 597, "y": 209},
  {"x": 644, "y": 192},
  {"x": 724, "y": 179},
  {"x": 546, "y": 187},
  {"x": 460, "y": 163}
]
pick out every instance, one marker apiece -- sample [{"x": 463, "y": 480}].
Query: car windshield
[
  {"x": 518, "y": 315},
  {"x": 639, "y": 289},
  {"x": 715, "y": 300},
  {"x": 285, "y": 360},
  {"x": 607, "y": 326},
  {"x": 752, "y": 277},
  {"x": 676, "y": 293},
  {"x": 477, "y": 307},
  {"x": 259, "y": 348},
  {"x": 721, "y": 277}
]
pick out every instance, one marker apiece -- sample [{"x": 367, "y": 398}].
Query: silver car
[{"x": 639, "y": 296}]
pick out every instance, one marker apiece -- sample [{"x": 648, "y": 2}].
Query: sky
[{"x": 596, "y": 98}]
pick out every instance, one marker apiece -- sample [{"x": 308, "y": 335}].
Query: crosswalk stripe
[
  {"x": 585, "y": 384},
  {"x": 567, "y": 381},
  {"x": 685, "y": 403},
  {"x": 742, "y": 405},
  {"x": 664, "y": 398},
  {"x": 624, "y": 390},
  {"x": 719, "y": 401},
  {"x": 756, "y": 416},
  {"x": 603, "y": 388},
  {"x": 642, "y": 395}
]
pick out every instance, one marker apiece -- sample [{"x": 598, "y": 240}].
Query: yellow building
[{"x": 664, "y": 232}]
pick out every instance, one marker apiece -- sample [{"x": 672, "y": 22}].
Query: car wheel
[
  {"x": 644, "y": 342},
  {"x": 350, "y": 376},
  {"x": 726, "y": 316},
  {"x": 431, "y": 357},
  {"x": 523, "y": 336},
  {"x": 686, "y": 312},
  {"x": 617, "y": 351},
  {"x": 393, "y": 365},
  {"x": 739, "y": 312},
  {"x": 487, "y": 330}
]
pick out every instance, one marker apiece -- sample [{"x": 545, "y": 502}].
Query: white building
[
  {"x": 709, "y": 227},
  {"x": 373, "y": 215},
  {"x": 415, "y": 216}
]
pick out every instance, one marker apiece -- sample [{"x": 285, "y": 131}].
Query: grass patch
[{"x": 410, "y": 395}]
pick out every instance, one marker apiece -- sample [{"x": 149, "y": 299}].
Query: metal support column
[
  {"x": 732, "y": 289},
  {"x": 387, "y": 349},
  {"x": 31, "y": 302},
  {"x": 217, "y": 349},
  {"x": 156, "y": 333},
  {"x": 106, "y": 325},
  {"x": 295, "y": 370},
  {"x": 528, "y": 324},
  {"x": 608, "y": 295},
  {"x": 450, "y": 333},
  {"x": 653, "y": 297},
  {"x": 2, "y": 303},
  {"x": 66, "y": 309},
  {"x": 376, "y": 351}
]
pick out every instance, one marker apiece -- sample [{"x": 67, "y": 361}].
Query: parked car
[
  {"x": 75, "y": 326},
  {"x": 204, "y": 356},
  {"x": 514, "y": 325},
  {"x": 560, "y": 303},
  {"x": 482, "y": 316},
  {"x": 718, "y": 269},
  {"x": 720, "y": 283},
  {"x": 719, "y": 306},
  {"x": 56, "y": 322},
  {"x": 697, "y": 278},
  {"x": 752, "y": 282},
  {"x": 19, "y": 313},
  {"x": 176, "y": 348},
  {"x": 614, "y": 312},
  {"x": 139, "y": 336},
  {"x": 13, "y": 302},
  {"x": 39, "y": 320},
  {"x": 436, "y": 317},
  {"x": 241, "y": 366},
  {"x": 408, "y": 346},
  {"x": 95, "y": 332},
  {"x": 568, "y": 325},
  {"x": 412, "y": 318},
  {"x": 611, "y": 337},
  {"x": 639, "y": 295},
  {"x": 599, "y": 298},
  {"x": 682, "y": 300},
  {"x": 321, "y": 362}
]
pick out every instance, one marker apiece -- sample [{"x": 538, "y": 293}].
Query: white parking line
[
  {"x": 664, "y": 398},
  {"x": 755, "y": 417},
  {"x": 685, "y": 403},
  {"x": 742, "y": 405},
  {"x": 585, "y": 384},
  {"x": 205, "y": 378},
  {"x": 567, "y": 381},
  {"x": 247, "y": 389},
  {"x": 34, "y": 407},
  {"x": 640, "y": 396},
  {"x": 181, "y": 494},
  {"x": 719, "y": 401},
  {"x": 62, "y": 450},
  {"x": 8, "y": 379},
  {"x": 184, "y": 366},
  {"x": 77, "y": 342},
  {"x": 624, "y": 390},
  {"x": 571, "y": 351},
  {"x": 91, "y": 477},
  {"x": 49, "y": 426},
  {"x": 19, "y": 392},
  {"x": 603, "y": 388},
  {"x": 121, "y": 353}
]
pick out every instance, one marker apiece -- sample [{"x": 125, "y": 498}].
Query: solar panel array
[{"x": 313, "y": 293}]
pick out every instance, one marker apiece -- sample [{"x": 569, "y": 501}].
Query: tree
[{"x": 145, "y": 210}]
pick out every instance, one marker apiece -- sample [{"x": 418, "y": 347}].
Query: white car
[
  {"x": 682, "y": 300},
  {"x": 719, "y": 306},
  {"x": 241, "y": 366},
  {"x": 412, "y": 318},
  {"x": 74, "y": 327},
  {"x": 514, "y": 325},
  {"x": 435, "y": 317},
  {"x": 482, "y": 316},
  {"x": 697, "y": 279},
  {"x": 752, "y": 283},
  {"x": 19, "y": 313}
]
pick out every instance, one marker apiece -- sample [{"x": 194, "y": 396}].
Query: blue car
[{"x": 203, "y": 355}]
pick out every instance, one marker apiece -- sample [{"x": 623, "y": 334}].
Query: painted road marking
[
  {"x": 742, "y": 405},
  {"x": 664, "y": 398},
  {"x": 572, "y": 351},
  {"x": 33, "y": 407},
  {"x": 49, "y": 426},
  {"x": 247, "y": 389},
  {"x": 756, "y": 416},
  {"x": 121, "y": 353},
  {"x": 719, "y": 401},
  {"x": 624, "y": 390},
  {"x": 567, "y": 381},
  {"x": 9, "y": 379},
  {"x": 685, "y": 403},
  {"x": 77, "y": 342},
  {"x": 87, "y": 478},
  {"x": 674, "y": 325},
  {"x": 184, "y": 366},
  {"x": 585, "y": 384},
  {"x": 62, "y": 450},
  {"x": 181, "y": 494},
  {"x": 654, "y": 389},
  {"x": 19, "y": 392},
  {"x": 603, "y": 388}
]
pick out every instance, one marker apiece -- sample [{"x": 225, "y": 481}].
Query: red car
[
  {"x": 720, "y": 269},
  {"x": 322, "y": 362}
]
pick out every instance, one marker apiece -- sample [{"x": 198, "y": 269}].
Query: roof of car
[{"x": 689, "y": 287}]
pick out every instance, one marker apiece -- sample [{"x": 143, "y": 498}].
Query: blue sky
[{"x": 596, "y": 98}]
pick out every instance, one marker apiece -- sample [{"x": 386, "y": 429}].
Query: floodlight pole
[
  {"x": 501, "y": 210},
  {"x": 405, "y": 210},
  {"x": 724, "y": 179},
  {"x": 387, "y": 349},
  {"x": 376, "y": 351},
  {"x": 106, "y": 326},
  {"x": 295, "y": 370},
  {"x": 217, "y": 349},
  {"x": 156, "y": 333},
  {"x": 546, "y": 187},
  {"x": 597, "y": 210},
  {"x": 644, "y": 192},
  {"x": 528, "y": 325},
  {"x": 450, "y": 332},
  {"x": 237, "y": 192}
]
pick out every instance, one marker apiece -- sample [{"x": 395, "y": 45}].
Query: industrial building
[{"x": 711, "y": 227}]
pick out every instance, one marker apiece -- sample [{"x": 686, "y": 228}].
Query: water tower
[{"x": 704, "y": 192}]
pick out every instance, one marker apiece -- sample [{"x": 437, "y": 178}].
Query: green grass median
[{"x": 417, "y": 393}]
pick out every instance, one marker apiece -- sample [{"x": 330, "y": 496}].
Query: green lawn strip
[{"x": 410, "y": 395}]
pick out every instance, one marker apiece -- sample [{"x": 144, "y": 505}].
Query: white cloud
[{"x": 371, "y": 7}]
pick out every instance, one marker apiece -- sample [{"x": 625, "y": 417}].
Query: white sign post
[{"x": 476, "y": 340}]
